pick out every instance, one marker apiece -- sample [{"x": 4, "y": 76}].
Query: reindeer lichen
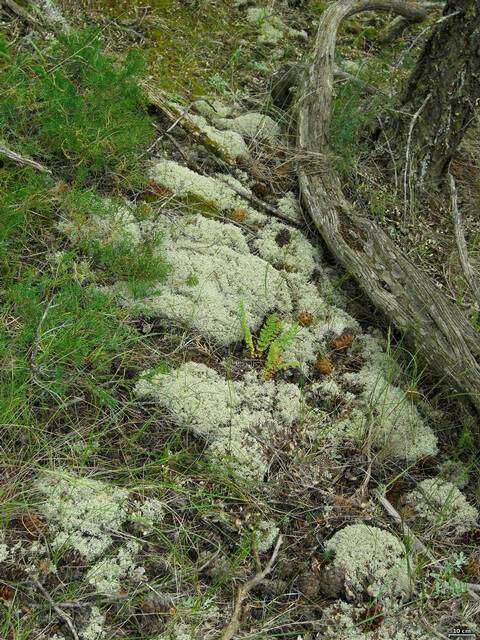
[
  {"x": 235, "y": 417},
  {"x": 441, "y": 506},
  {"x": 372, "y": 560}
]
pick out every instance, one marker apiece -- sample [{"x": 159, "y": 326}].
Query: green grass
[
  {"x": 62, "y": 338},
  {"x": 75, "y": 108}
]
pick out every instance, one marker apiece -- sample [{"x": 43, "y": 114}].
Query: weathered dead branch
[
  {"x": 179, "y": 115},
  {"x": 468, "y": 271},
  {"x": 23, "y": 160},
  {"x": 243, "y": 591},
  {"x": 440, "y": 333},
  {"x": 19, "y": 11},
  {"x": 400, "y": 23},
  {"x": 60, "y": 613}
]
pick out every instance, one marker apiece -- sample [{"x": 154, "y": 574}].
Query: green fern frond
[
  {"x": 270, "y": 330},
  {"x": 276, "y": 350},
  {"x": 246, "y": 329}
]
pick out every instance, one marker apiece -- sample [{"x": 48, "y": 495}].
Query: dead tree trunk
[
  {"x": 441, "y": 334},
  {"x": 440, "y": 97}
]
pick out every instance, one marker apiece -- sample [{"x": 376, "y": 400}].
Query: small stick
[
  {"x": 367, "y": 87},
  {"x": 468, "y": 271},
  {"x": 408, "y": 164},
  {"x": 61, "y": 614},
  {"x": 20, "y": 11},
  {"x": 28, "y": 162},
  {"x": 393, "y": 513},
  {"x": 268, "y": 208},
  {"x": 390, "y": 509},
  {"x": 243, "y": 591}
]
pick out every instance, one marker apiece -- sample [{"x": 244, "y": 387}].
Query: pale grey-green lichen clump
[
  {"x": 106, "y": 575},
  {"x": 265, "y": 266},
  {"x": 85, "y": 515},
  {"x": 441, "y": 506},
  {"x": 392, "y": 421},
  {"x": 82, "y": 513},
  {"x": 272, "y": 30},
  {"x": 287, "y": 248},
  {"x": 116, "y": 226},
  {"x": 213, "y": 193},
  {"x": 348, "y": 621},
  {"x": 212, "y": 273},
  {"x": 4, "y": 552},
  {"x": 228, "y": 143},
  {"x": 94, "y": 629},
  {"x": 235, "y": 417},
  {"x": 254, "y": 126},
  {"x": 372, "y": 560},
  {"x": 266, "y": 534}
]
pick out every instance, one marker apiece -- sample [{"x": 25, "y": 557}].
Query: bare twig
[
  {"x": 264, "y": 206},
  {"x": 393, "y": 513},
  {"x": 468, "y": 271},
  {"x": 243, "y": 591},
  {"x": 244, "y": 193},
  {"x": 407, "y": 172},
  {"x": 61, "y": 614},
  {"x": 366, "y": 86},
  {"x": 23, "y": 160},
  {"x": 418, "y": 544}
]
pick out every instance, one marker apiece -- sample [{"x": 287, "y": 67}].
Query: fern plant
[
  {"x": 276, "y": 350},
  {"x": 273, "y": 341}
]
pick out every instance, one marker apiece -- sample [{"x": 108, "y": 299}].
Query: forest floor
[{"x": 206, "y": 430}]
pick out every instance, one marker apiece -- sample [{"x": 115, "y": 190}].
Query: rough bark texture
[
  {"x": 442, "y": 336},
  {"x": 442, "y": 92}
]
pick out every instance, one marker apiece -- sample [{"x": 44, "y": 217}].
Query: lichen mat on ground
[{"x": 220, "y": 466}]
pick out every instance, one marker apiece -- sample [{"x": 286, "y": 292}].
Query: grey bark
[
  {"x": 442, "y": 337},
  {"x": 444, "y": 90}
]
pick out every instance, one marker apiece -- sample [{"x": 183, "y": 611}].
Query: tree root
[{"x": 440, "y": 333}]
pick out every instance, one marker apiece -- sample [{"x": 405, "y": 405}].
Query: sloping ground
[{"x": 262, "y": 409}]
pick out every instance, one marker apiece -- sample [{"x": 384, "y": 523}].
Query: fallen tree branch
[
  {"x": 23, "y": 160},
  {"x": 20, "y": 12},
  {"x": 243, "y": 591},
  {"x": 400, "y": 23},
  {"x": 468, "y": 271},
  {"x": 440, "y": 333},
  {"x": 61, "y": 614}
]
